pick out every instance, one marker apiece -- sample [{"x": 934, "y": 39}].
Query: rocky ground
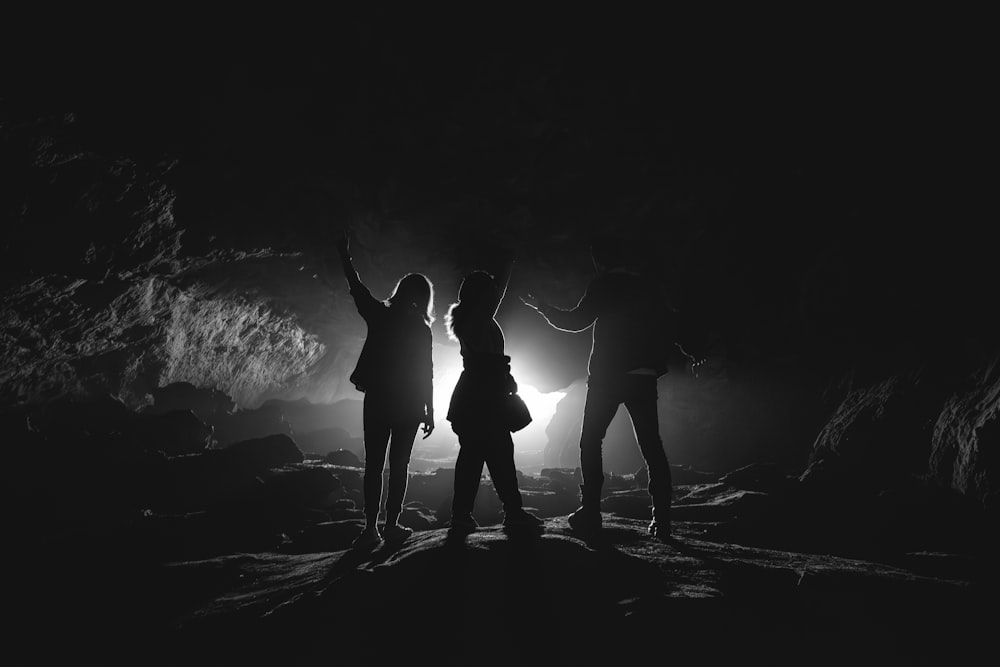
[{"x": 242, "y": 555}]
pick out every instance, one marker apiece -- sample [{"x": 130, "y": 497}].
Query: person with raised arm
[
  {"x": 395, "y": 373},
  {"x": 476, "y": 410}
]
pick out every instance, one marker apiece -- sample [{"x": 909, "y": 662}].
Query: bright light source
[{"x": 529, "y": 443}]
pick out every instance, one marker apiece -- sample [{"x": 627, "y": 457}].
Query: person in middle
[{"x": 476, "y": 408}]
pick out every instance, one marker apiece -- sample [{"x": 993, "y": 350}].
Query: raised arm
[
  {"x": 363, "y": 298},
  {"x": 503, "y": 279}
]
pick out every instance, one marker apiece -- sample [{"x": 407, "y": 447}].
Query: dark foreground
[{"x": 502, "y": 599}]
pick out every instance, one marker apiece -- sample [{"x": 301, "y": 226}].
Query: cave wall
[
  {"x": 103, "y": 293},
  {"x": 823, "y": 237}
]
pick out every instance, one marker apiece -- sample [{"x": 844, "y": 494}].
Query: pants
[
  {"x": 638, "y": 393},
  {"x": 494, "y": 447},
  {"x": 385, "y": 432}
]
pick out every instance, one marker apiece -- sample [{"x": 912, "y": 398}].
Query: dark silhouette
[
  {"x": 475, "y": 410},
  {"x": 629, "y": 353},
  {"x": 395, "y": 372}
]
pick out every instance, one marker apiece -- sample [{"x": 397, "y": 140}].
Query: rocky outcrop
[
  {"x": 917, "y": 428},
  {"x": 965, "y": 449},
  {"x": 105, "y": 292},
  {"x": 879, "y": 434}
]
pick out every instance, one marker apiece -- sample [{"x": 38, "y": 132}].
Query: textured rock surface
[
  {"x": 114, "y": 297},
  {"x": 233, "y": 554},
  {"x": 879, "y": 433},
  {"x": 916, "y": 426},
  {"x": 966, "y": 444}
]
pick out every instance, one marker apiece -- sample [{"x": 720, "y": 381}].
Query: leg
[
  {"x": 601, "y": 406},
  {"x": 376, "y": 427},
  {"x": 400, "y": 447},
  {"x": 641, "y": 406},
  {"x": 500, "y": 461},
  {"x": 468, "y": 470}
]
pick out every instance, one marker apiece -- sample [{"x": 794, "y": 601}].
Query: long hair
[
  {"x": 476, "y": 294},
  {"x": 415, "y": 291}
]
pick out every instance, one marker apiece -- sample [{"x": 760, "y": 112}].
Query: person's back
[
  {"x": 395, "y": 373},
  {"x": 629, "y": 327},
  {"x": 395, "y": 360},
  {"x": 629, "y": 353}
]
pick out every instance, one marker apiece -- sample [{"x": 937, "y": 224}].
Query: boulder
[
  {"x": 261, "y": 454},
  {"x": 329, "y": 441},
  {"x": 174, "y": 433},
  {"x": 303, "y": 487},
  {"x": 344, "y": 457}
]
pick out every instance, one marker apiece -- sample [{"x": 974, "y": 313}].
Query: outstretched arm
[
  {"x": 363, "y": 298},
  {"x": 574, "y": 320}
]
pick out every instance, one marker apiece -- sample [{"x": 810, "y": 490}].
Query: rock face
[
  {"x": 879, "y": 433},
  {"x": 914, "y": 427},
  {"x": 104, "y": 292},
  {"x": 966, "y": 439}
]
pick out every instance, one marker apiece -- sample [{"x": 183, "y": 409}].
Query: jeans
[
  {"x": 638, "y": 393},
  {"x": 494, "y": 447},
  {"x": 384, "y": 432}
]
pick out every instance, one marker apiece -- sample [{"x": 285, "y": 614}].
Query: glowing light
[{"x": 529, "y": 443}]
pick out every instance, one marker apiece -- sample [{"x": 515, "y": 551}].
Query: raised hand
[{"x": 344, "y": 243}]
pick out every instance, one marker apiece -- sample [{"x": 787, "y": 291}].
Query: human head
[
  {"x": 478, "y": 289},
  {"x": 477, "y": 296},
  {"x": 414, "y": 290}
]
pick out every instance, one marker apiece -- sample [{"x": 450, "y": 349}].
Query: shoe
[
  {"x": 585, "y": 521},
  {"x": 368, "y": 539},
  {"x": 660, "y": 529},
  {"x": 395, "y": 533},
  {"x": 521, "y": 519},
  {"x": 464, "y": 523}
]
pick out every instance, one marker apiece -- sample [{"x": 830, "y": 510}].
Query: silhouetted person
[
  {"x": 629, "y": 353},
  {"x": 475, "y": 409},
  {"x": 395, "y": 372}
]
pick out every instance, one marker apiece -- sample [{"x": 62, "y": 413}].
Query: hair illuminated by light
[
  {"x": 414, "y": 290},
  {"x": 476, "y": 296}
]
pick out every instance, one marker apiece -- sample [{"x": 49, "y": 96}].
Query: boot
[
  {"x": 519, "y": 518},
  {"x": 587, "y": 518},
  {"x": 659, "y": 527}
]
